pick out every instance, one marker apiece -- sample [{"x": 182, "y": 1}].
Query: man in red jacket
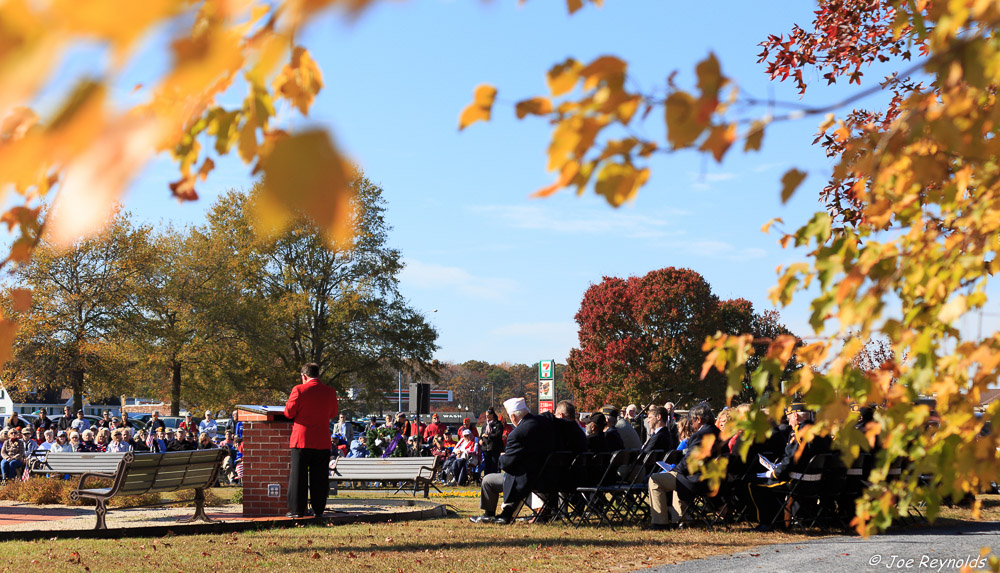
[{"x": 311, "y": 406}]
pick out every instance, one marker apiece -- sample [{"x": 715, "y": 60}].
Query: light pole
[{"x": 399, "y": 391}]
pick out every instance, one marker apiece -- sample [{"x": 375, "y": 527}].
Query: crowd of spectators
[
  {"x": 21, "y": 440},
  {"x": 466, "y": 452}
]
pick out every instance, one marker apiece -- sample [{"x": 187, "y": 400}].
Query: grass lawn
[{"x": 450, "y": 544}]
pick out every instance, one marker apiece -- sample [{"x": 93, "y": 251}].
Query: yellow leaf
[
  {"x": 755, "y": 136},
  {"x": 719, "y": 140},
  {"x": 533, "y": 106},
  {"x": 20, "y": 299},
  {"x": 620, "y": 182},
  {"x": 248, "y": 142},
  {"x": 562, "y": 77},
  {"x": 710, "y": 78},
  {"x": 627, "y": 108},
  {"x": 604, "y": 68},
  {"x": 955, "y": 308},
  {"x": 121, "y": 23},
  {"x": 682, "y": 124},
  {"x": 96, "y": 179},
  {"x": 16, "y": 123},
  {"x": 767, "y": 226},
  {"x": 8, "y": 330},
  {"x": 790, "y": 181},
  {"x": 567, "y": 175},
  {"x": 480, "y": 108},
  {"x": 574, "y": 5},
  {"x": 300, "y": 80},
  {"x": 304, "y": 174},
  {"x": 781, "y": 348}
]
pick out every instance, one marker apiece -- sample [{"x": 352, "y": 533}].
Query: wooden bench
[
  {"x": 137, "y": 474},
  {"x": 418, "y": 471},
  {"x": 74, "y": 463}
]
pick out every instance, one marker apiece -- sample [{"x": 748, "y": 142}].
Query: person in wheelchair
[{"x": 464, "y": 459}]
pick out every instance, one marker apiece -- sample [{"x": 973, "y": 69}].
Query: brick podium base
[{"x": 266, "y": 460}]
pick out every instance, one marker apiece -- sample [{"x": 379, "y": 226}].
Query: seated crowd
[
  {"x": 465, "y": 452},
  {"x": 20, "y": 440},
  {"x": 672, "y": 481}
]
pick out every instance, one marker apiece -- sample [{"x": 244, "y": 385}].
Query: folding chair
[
  {"x": 599, "y": 498},
  {"x": 802, "y": 493},
  {"x": 897, "y": 468},
  {"x": 571, "y": 502},
  {"x": 548, "y": 486},
  {"x": 634, "y": 497},
  {"x": 706, "y": 507},
  {"x": 832, "y": 487},
  {"x": 855, "y": 481}
]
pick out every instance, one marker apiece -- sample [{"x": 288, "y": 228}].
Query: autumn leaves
[{"x": 584, "y": 149}]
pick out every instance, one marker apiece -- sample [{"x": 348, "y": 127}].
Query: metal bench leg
[
  {"x": 101, "y": 510},
  {"x": 199, "y": 505}
]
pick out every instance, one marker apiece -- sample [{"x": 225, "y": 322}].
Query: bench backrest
[
  {"x": 170, "y": 471},
  {"x": 388, "y": 469},
  {"x": 76, "y": 463}
]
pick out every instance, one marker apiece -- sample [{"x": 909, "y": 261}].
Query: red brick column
[{"x": 266, "y": 462}]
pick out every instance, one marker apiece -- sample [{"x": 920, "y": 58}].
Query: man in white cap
[{"x": 528, "y": 445}]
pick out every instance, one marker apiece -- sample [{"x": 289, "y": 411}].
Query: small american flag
[
  {"x": 27, "y": 472},
  {"x": 239, "y": 472}
]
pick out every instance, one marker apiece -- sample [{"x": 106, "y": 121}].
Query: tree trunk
[
  {"x": 175, "y": 388},
  {"x": 76, "y": 382}
]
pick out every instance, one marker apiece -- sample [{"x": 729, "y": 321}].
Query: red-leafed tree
[{"x": 643, "y": 335}]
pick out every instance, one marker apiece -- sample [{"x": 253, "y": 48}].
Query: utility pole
[{"x": 399, "y": 391}]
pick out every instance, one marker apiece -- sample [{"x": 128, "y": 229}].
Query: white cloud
[
  {"x": 703, "y": 181},
  {"x": 766, "y": 167},
  {"x": 719, "y": 249},
  {"x": 558, "y": 220},
  {"x": 434, "y": 276}
]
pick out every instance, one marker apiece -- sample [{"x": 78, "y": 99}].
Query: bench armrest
[
  {"x": 93, "y": 475},
  {"x": 430, "y": 469}
]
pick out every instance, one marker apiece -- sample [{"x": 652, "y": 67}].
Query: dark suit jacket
[
  {"x": 661, "y": 440},
  {"x": 598, "y": 443},
  {"x": 788, "y": 463},
  {"x": 528, "y": 445},
  {"x": 615, "y": 439},
  {"x": 569, "y": 436},
  {"x": 694, "y": 444}
]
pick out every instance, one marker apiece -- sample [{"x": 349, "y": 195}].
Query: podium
[{"x": 267, "y": 460}]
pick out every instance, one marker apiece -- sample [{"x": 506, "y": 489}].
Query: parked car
[
  {"x": 175, "y": 421},
  {"x": 92, "y": 420}
]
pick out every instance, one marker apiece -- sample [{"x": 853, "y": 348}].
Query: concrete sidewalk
[{"x": 926, "y": 549}]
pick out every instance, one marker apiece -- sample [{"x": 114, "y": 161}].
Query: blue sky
[{"x": 498, "y": 274}]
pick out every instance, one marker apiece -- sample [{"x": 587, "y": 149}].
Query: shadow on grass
[{"x": 551, "y": 540}]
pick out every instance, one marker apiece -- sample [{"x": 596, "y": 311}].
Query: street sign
[
  {"x": 546, "y": 382},
  {"x": 546, "y": 370}
]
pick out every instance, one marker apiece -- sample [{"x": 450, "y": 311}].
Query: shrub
[
  {"x": 42, "y": 490},
  {"x": 237, "y": 496},
  {"x": 212, "y": 499}
]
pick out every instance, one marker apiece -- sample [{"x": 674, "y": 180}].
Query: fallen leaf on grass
[{"x": 315, "y": 555}]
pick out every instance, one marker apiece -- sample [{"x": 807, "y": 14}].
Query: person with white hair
[
  {"x": 528, "y": 445},
  {"x": 209, "y": 425}
]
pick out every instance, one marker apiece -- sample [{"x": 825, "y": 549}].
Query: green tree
[
  {"x": 314, "y": 300},
  {"x": 73, "y": 333}
]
